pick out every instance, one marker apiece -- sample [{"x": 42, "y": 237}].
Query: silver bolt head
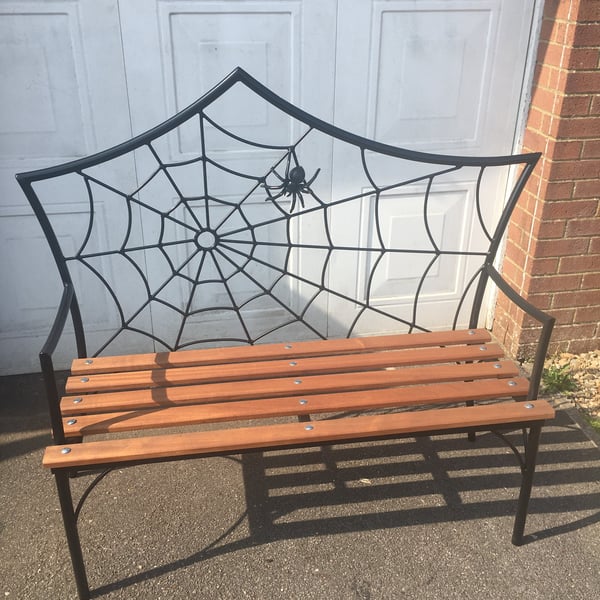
[
  {"x": 298, "y": 381},
  {"x": 309, "y": 427},
  {"x": 512, "y": 383},
  {"x": 89, "y": 361},
  {"x": 303, "y": 401},
  {"x": 65, "y": 450},
  {"x": 497, "y": 366},
  {"x": 529, "y": 405},
  {"x": 77, "y": 400},
  {"x": 483, "y": 347},
  {"x": 71, "y": 421},
  {"x": 288, "y": 346},
  {"x": 471, "y": 332},
  {"x": 293, "y": 363},
  {"x": 85, "y": 379}
]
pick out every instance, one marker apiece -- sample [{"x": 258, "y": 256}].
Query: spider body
[{"x": 293, "y": 183}]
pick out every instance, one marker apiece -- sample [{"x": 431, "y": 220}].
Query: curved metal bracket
[
  {"x": 521, "y": 458},
  {"x": 89, "y": 489}
]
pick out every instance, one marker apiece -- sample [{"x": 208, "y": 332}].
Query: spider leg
[
  {"x": 293, "y": 205},
  {"x": 312, "y": 178},
  {"x": 271, "y": 197},
  {"x": 301, "y": 199}
]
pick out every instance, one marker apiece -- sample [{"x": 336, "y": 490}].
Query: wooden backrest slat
[
  {"x": 291, "y": 434},
  {"x": 420, "y": 395},
  {"x": 286, "y": 386},
  {"x": 348, "y": 363},
  {"x": 236, "y": 354}
]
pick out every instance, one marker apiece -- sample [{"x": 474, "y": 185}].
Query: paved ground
[{"x": 417, "y": 519}]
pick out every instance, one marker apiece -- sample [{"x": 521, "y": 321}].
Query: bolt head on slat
[
  {"x": 84, "y": 379},
  {"x": 483, "y": 347},
  {"x": 65, "y": 450},
  {"x": 512, "y": 383},
  {"x": 71, "y": 421},
  {"x": 293, "y": 363},
  {"x": 471, "y": 332},
  {"x": 298, "y": 381},
  {"x": 288, "y": 346},
  {"x": 309, "y": 427},
  {"x": 89, "y": 361},
  {"x": 304, "y": 401},
  {"x": 77, "y": 400},
  {"x": 497, "y": 366},
  {"x": 529, "y": 405}
]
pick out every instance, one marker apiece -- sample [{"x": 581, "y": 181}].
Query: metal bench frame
[{"x": 289, "y": 187}]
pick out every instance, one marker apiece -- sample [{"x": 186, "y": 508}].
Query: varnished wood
[
  {"x": 281, "y": 435},
  {"x": 422, "y": 395},
  {"x": 287, "y": 386},
  {"x": 236, "y": 354},
  {"x": 350, "y": 363}
]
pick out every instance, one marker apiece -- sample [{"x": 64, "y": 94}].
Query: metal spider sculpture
[{"x": 293, "y": 183}]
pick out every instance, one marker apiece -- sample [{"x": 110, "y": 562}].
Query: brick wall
[{"x": 553, "y": 247}]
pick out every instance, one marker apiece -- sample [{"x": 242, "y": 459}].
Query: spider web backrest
[{"x": 196, "y": 232}]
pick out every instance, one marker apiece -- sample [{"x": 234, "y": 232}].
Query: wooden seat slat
[
  {"x": 292, "y": 434},
  {"x": 440, "y": 393},
  {"x": 236, "y": 354},
  {"x": 350, "y": 363},
  {"x": 270, "y": 388}
]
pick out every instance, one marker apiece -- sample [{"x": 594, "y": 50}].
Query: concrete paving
[{"x": 423, "y": 519}]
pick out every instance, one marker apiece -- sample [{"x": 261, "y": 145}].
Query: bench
[{"x": 251, "y": 348}]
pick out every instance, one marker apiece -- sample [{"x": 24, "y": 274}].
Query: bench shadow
[{"x": 288, "y": 492}]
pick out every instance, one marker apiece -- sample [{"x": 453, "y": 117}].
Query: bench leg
[
  {"x": 70, "y": 523},
  {"x": 528, "y": 469}
]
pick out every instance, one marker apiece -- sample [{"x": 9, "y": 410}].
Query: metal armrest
[
  {"x": 52, "y": 395},
  {"x": 547, "y": 321}
]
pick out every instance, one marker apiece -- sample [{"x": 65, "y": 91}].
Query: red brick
[
  {"x": 570, "y": 209},
  {"x": 587, "y": 189},
  {"x": 588, "y": 314},
  {"x": 542, "y": 300},
  {"x": 594, "y": 246},
  {"x": 565, "y": 247},
  {"x": 579, "y": 346},
  {"x": 555, "y": 283},
  {"x": 587, "y": 35},
  {"x": 589, "y": 10},
  {"x": 591, "y": 149},
  {"x": 575, "y": 169},
  {"x": 550, "y": 229},
  {"x": 573, "y": 106},
  {"x": 559, "y": 190},
  {"x": 583, "y": 127},
  {"x": 595, "y": 106},
  {"x": 580, "y": 298},
  {"x": 591, "y": 281},
  {"x": 579, "y": 264},
  {"x": 580, "y": 82},
  {"x": 544, "y": 266},
  {"x": 579, "y": 227},
  {"x": 564, "y": 316},
  {"x": 566, "y": 149},
  {"x": 546, "y": 100},
  {"x": 584, "y": 58},
  {"x": 570, "y": 332}
]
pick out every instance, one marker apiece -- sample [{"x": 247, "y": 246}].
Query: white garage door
[{"x": 80, "y": 76}]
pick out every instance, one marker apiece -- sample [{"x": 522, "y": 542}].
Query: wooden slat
[
  {"x": 350, "y": 363},
  {"x": 271, "y": 388},
  {"x": 236, "y": 354},
  {"x": 275, "y": 436},
  {"x": 440, "y": 393}
]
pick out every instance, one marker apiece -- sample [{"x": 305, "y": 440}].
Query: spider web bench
[{"x": 225, "y": 279}]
